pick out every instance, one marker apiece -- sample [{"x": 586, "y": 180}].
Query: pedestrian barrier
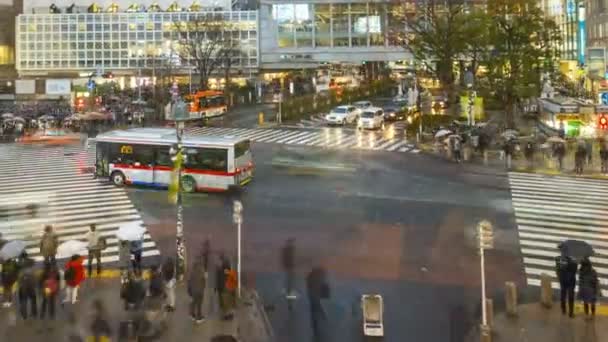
[
  {"x": 511, "y": 298},
  {"x": 546, "y": 291}
]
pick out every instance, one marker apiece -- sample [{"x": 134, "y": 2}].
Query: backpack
[
  {"x": 27, "y": 282},
  {"x": 231, "y": 281},
  {"x": 50, "y": 285},
  {"x": 70, "y": 274}
]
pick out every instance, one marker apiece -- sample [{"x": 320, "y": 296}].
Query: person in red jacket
[{"x": 74, "y": 276}]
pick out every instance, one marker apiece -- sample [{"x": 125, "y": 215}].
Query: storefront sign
[
  {"x": 25, "y": 87},
  {"x": 58, "y": 87},
  {"x": 568, "y": 117}
]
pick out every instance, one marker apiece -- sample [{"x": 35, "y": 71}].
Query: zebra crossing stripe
[
  {"x": 396, "y": 144},
  {"x": 298, "y": 139},
  {"x": 549, "y": 210},
  {"x": 290, "y": 135},
  {"x": 275, "y": 136},
  {"x": 312, "y": 137},
  {"x": 345, "y": 143},
  {"x": 74, "y": 204},
  {"x": 385, "y": 145},
  {"x": 404, "y": 149}
]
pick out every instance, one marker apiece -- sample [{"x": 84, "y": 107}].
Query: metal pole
[
  {"x": 484, "y": 317},
  {"x": 238, "y": 265},
  {"x": 179, "y": 235},
  {"x": 139, "y": 84},
  {"x": 190, "y": 80}
]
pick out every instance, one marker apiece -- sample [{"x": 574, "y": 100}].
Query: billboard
[
  {"x": 582, "y": 39},
  {"x": 25, "y": 87},
  {"x": 58, "y": 87}
]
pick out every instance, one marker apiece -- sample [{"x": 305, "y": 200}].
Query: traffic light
[
  {"x": 485, "y": 235},
  {"x": 603, "y": 122}
]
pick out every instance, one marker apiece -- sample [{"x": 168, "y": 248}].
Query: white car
[
  {"x": 371, "y": 118},
  {"x": 343, "y": 115},
  {"x": 362, "y": 104}
]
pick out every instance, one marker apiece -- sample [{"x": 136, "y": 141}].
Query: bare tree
[{"x": 206, "y": 43}]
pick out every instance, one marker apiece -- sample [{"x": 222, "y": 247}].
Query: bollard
[
  {"x": 511, "y": 298},
  {"x": 261, "y": 118},
  {"x": 485, "y": 335},
  {"x": 546, "y": 291},
  {"x": 490, "y": 313}
]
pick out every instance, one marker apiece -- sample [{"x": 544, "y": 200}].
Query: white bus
[{"x": 140, "y": 156}]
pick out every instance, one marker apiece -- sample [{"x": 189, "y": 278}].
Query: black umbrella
[{"x": 576, "y": 249}]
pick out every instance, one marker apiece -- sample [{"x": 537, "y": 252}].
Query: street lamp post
[
  {"x": 469, "y": 81},
  {"x": 485, "y": 237},
  {"x": 179, "y": 157},
  {"x": 238, "y": 220}
]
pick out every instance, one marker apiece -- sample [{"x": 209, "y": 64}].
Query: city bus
[
  {"x": 140, "y": 156},
  {"x": 206, "y": 104}
]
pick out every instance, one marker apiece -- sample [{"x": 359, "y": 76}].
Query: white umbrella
[
  {"x": 12, "y": 249},
  {"x": 556, "y": 139},
  {"x": 7, "y": 115},
  {"x": 130, "y": 232},
  {"x": 18, "y": 118},
  {"x": 510, "y": 133},
  {"x": 442, "y": 133},
  {"x": 455, "y": 136},
  {"x": 71, "y": 247}
]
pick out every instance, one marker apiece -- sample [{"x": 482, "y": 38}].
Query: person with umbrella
[
  {"x": 529, "y": 154},
  {"x": 49, "y": 286},
  {"x": 588, "y": 287},
  {"x": 604, "y": 156},
  {"x": 9, "y": 253},
  {"x": 559, "y": 151},
  {"x": 565, "y": 268},
  {"x": 579, "y": 159},
  {"x": 168, "y": 273}
]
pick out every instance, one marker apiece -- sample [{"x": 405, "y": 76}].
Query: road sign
[{"x": 485, "y": 235}]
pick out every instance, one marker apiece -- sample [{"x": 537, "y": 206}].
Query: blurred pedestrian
[
  {"x": 604, "y": 156},
  {"x": 559, "y": 151},
  {"x": 100, "y": 328},
  {"x": 27, "y": 288},
  {"x": 73, "y": 331},
  {"x": 288, "y": 263},
  {"x": 74, "y": 276},
  {"x": 49, "y": 286},
  {"x": 589, "y": 151},
  {"x": 588, "y": 287},
  {"x": 168, "y": 273},
  {"x": 49, "y": 244},
  {"x": 124, "y": 260},
  {"x": 230, "y": 288},
  {"x": 9, "y": 274},
  {"x": 206, "y": 252},
  {"x": 96, "y": 243},
  {"x": 196, "y": 289},
  {"x": 579, "y": 159},
  {"x": 137, "y": 248},
  {"x": 318, "y": 288},
  {"x": 529, "y": 154},
  {"x": 508, "y": 150},
  {"x": 565, "y": 268},
  {"x": 456, "y": 147},
  {"x": 133, "y": 292},
  {"x": 156, "y": 287}
]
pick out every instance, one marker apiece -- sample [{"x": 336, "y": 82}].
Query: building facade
[{"x": 66, "y": 40}]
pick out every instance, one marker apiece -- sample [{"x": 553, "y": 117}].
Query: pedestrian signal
[{"x": 603, "y": 122}]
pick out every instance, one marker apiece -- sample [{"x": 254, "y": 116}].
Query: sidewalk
[
  {"x": 535, "y": 323},
  {"x": 250, "y": 323}
]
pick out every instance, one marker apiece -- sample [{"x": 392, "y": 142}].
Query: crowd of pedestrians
[{"x": 148, "y": 304}]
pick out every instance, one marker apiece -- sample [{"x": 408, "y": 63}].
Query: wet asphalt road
[{"x": 400, "y": 225}]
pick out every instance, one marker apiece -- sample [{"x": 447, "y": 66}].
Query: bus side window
[
  {"x": 163, "y": 158},
  {"x": 143, "y": 154}
]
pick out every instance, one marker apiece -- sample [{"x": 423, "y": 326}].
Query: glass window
[
  {"x": 340, "y": 24},
  {"x": 215, "y": 159},
  {"x": 163, "y": 158},
  {"x": 358, "y": 22},
  {"x": 376, "y": 24},
  {"x": 322, "y": 25},
  {"x": 284, "y": 16},
  {"x": 241, "y": 148},
  {"x": 303, "y": 25}
]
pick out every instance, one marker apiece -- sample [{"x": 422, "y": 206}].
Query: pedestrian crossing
[
  {"x": 328, "y": 137},
  {"x": 549, "y": 210},
  {"x": 70, "y": 200},
  {"x": 317, "y": 120}
]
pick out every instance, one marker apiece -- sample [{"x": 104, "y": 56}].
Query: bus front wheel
[
  {"x": 188, "y": 184},
  {"x": 117, "y": 178}
]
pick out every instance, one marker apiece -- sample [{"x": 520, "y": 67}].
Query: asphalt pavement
[{"x": 398, "y": 225}]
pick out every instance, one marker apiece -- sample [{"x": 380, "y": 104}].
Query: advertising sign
[
  {"x": 23, "y": 87},
  {"x": 582, "y": 39},
  {"x": 596, "y": 61},
  {"x": 58, "y": 87}
]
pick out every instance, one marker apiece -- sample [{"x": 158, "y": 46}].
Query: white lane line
[
  {"x": 385, "y": 145},
  {"x": 262, "y": 134},
  {"x": 59, "y": 219},
  {"x": 404, "y": 149},
  {"x": 599, "y": 203},
  {"x": 397, "y": 144},
  {"x": 561, "y": 233},
  {"x": 557, "y": 209},
  {"x": 274, "y": 135},
  {"x": 552, "y": 213},
  {"x": 298, "y": 140},
  {"x": 525, "y": 236},
  {"x": 574, "y": 225},
  {"x": 286, "y": 137}
]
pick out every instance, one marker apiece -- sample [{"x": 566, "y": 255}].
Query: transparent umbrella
[{"x": 12, "y": 249}]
